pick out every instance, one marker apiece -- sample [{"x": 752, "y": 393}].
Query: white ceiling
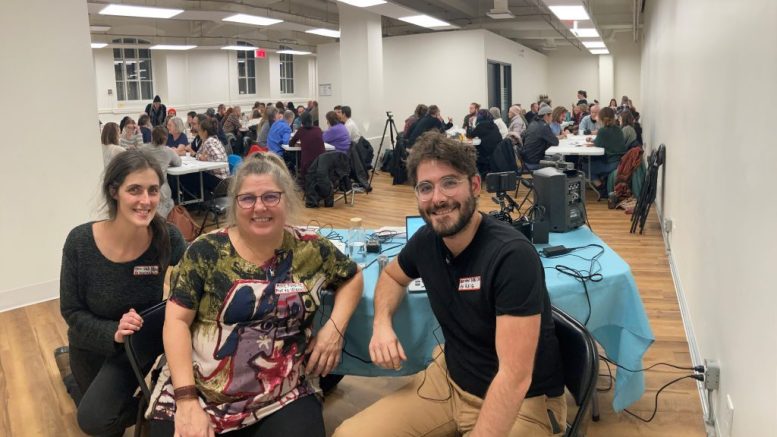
[{"x": 533, "y": 25}]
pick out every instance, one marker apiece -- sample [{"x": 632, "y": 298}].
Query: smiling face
[
  {"x": 138, "y": 197},
  {"x": 171, "y": 127},
  {"x": 449, "y": 212},
  {"x": 260, "y": 221}
]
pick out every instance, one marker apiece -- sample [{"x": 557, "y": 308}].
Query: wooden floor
[{"x": 33, "y": 401}]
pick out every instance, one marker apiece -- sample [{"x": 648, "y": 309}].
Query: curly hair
[{"x": 438, "y": 147}]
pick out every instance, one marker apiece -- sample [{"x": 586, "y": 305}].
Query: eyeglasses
[
  {"x": 448, "y": 186},
  {"x": 270, "y": 198}
]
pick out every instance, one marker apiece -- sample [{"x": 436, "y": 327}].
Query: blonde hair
[
  {"x": 557, "y": 112},
  {"x": 261, "y": 164}
]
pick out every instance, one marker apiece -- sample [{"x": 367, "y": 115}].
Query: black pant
[
  {"x": 301, "y": 418},
  {"x": 108, "y": 384}
]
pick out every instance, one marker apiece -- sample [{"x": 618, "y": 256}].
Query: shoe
[
  {"x": 62, "y": 357},
  {"x": 612, "y": 200},
  {"x": 329, "y": 202}
]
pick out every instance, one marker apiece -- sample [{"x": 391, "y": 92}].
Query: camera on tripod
[
  {"x": 389, "y": 114},
  {"x": 500, "y": 184}
]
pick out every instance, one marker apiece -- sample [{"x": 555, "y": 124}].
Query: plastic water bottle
[{"x": 357, "y": 240}]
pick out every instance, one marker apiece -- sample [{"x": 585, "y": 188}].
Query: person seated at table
[
  {"x": 499, "y": 372},
  {"x": 469, "y": 119},
  {"x": 211, "y": 150},
  {"x": 420, "y": 111},
  {"x": 538, "y": 138},
  {"x": 112, "y": 270},
  {"x": 144, "y": 122},
  {"x": 241, "y": 354},
  {"x": 350, "y": 125},
  {"x": 221, "y": 112},
  {"x": 496, "y": 114},
  {"x": 337, "y": 134},
  {"x": 256, "y": 117},
  {"x": 313, "y": 109},
  {"x": 579, "y": 111},
  {"x": 624, "y": 106},
  {"x": 590, "y": 123},
  {"x": 297, "y": 119},
  {"x": 311, "y": 141},
  {"x": 613, "y": 104},
  {"x": 280, "y": 132},
  {"x": 109, "y": 138},
  {"x": 534, "y": 107},
  {"x": 518, "y": 123},
  {"x": 131, "y": 137},
  {"x": 431, "y": 121},
  {"x": 194, "y": 145},
  {"x": 609, "y": 137},
  {"x": 556, "y": 119},
  {"x": 176, "y": 138},
  {"x": 268, "y": 118},
  {"x": 231, "y": 124},
  {"x": 630, "y": 138},
  {"x": 170, "y": 114},
  {"x": 486, "y": 130},
  {"x": 165, "y": 157}
]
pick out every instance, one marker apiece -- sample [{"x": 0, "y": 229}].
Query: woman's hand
[
  {"x": 129, "y": 323},
  {"x": 324, "y": 350},
  {"x": 191, "y": 420}
]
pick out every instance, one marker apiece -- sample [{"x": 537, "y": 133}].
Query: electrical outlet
[
  {"x": 668, "y": 225},
  {"x": 711, "y": 375}
]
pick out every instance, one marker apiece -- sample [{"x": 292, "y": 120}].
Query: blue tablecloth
[{"x": 617, "y": 318}]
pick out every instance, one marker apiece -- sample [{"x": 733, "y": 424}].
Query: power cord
[
  {"x": 447, "y": 379},
  {"x": 697, "y": 369},
  {"x": 655, "y": 402},
  {"x": 328, "y": 317},
  {"x": 593, "y": 274}
]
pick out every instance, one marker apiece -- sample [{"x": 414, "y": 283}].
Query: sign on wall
[{"x": 325, "y": 89}]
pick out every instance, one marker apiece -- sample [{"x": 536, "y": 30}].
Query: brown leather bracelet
[{"x": 185, "y": 392}]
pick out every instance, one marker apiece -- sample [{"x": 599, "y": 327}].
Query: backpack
[{"x": 180, "y": 217}]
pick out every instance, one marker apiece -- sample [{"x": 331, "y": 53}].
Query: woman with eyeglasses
[
  {"x": 238, "y": 331},
  {"x": 112, "y": 270}
]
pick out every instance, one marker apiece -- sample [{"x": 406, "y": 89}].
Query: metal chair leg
[{"x": 594, "y": 407}]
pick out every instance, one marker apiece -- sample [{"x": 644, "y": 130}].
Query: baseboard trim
[{"x": 28, "y": 295}]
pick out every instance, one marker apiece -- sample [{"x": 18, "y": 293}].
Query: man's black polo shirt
[{"x": 499, "y": 273}]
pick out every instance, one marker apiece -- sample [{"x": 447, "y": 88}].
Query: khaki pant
[{"x": 432, "y": 405}]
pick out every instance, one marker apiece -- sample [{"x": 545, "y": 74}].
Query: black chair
[
  {"x": 217, "y": 203},
  {"x": 580, "y": 359},
  {"x": 143, "y": 347}
]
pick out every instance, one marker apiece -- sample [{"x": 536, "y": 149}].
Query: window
[
  {"x": 246, "y": 70},
  {"x": 287, "y": 73},
  {"x": 132, "y": 68}
]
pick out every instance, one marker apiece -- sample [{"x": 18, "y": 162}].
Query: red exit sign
[{"x": 260, "y": 53}]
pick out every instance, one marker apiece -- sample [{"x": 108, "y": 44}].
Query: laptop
[{"x": 412, "y": 224}]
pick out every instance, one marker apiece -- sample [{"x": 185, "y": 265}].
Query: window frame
[
  {"x": 131, "y": 59},
  {"x": 286, "y": 72},
  {"x": 245, "y": 80}
]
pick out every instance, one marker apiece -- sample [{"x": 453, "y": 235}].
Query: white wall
[
  {"x": 198, "y": 79},
  {"x": 570, "y": 70},
  {"x": 529, "y": 68},
  {"x": 627, "y": 56},
  {"x": 718, "y": 188},
  {"x": 48, "y": 186}
]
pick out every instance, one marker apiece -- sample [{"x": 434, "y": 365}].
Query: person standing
[{"x": 157, "y": 112}]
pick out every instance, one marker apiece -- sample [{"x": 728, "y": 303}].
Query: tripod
[{"x": 393, "y": 131}]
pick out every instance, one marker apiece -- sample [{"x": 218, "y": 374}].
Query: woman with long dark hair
[
  {"x": 311, "y": 141},
  {"x": 111, "y": 271},
  {"x": 110, "y": 140}
]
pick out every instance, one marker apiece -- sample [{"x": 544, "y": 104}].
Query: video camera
[
  {"x": 556, "y": 161},
  {"x": 500, "y": 184}
]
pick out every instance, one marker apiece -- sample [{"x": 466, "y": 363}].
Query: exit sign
[{"x": 260, "y": 53}]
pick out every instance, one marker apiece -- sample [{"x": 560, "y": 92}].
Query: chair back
[
  {"x": 144, "y": 346},
  {"x": 580, "y": 359},
  {"x": 234, "y": 162}
]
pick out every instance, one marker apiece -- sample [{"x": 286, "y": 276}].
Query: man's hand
[{"x": 385, "y": 349}]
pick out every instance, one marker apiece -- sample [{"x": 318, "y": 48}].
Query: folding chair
[
  {"x": 217, "y": 203},
  {"x": 143, "y": 347},
  {"x": 580, "y": 359}
]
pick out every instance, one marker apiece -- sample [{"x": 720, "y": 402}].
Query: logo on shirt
[
  {"x": 470, "y": 283},
  {"x": 290, "y": 288},
  {"x": 145, "y": 270}
]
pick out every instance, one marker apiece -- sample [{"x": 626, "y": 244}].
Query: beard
[{"x": 452, "y": 225}]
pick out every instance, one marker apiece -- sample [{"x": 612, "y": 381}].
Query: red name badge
[
  {"x": 290, "y": 288},
  {"x": 470, "y": 283},
  {"x": 145, "y": 270}
]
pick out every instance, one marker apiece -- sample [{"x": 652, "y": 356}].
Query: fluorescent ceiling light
[
  {"x": 98, "y": 45},
  {"x": 139, "y": 11},
  {"x": 292, "y": 52},
  {"x": 594, "y": 44},
  {"x": 424, "y": 21},
  {"x": 244, "y": 48},
  {"x": 363, "y": 3},
  {"x": 325, "y": 32},
  {"x": 99, "y": 29},
  {"x": 251, "y": 19},
  {"x": 570, "y": 12},
  {"x": 585, "y": 33},
  {"x": 600, "y": 52},
  {"x": 171, "y": 47}
]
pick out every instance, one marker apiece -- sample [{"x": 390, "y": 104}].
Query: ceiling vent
[{"x": 500, "y": 11}]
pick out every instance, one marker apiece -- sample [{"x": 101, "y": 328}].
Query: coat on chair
[{"x": 326, "y": 174}]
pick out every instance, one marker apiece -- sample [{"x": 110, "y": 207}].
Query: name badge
[
  {"x": 290, "y": 288},
  {"x": 470, "y": 283},
  {"x": 145, "y": 270}
]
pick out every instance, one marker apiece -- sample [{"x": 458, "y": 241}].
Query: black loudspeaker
[{"x": 562, "y": 195}]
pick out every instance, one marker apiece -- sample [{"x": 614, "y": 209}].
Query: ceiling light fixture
[
  {"x": 585, "y": 33},
  {"x": 424, "y": 21},
  {"x": 325, "y": 32},
  {"x": 600, "y": 52},
  {"x": 99, "y": 29},
  {"x": 594, "y": 44},
  {"x": 98, "y": 45},
  {"x": 293, "y": 52},
  {"x": 171, "y": 47},
  {"x": 570, "y": 12},
  {"x": 363, "y": 3},
  {"x": 251, "y": 19},
  {"x": 244, "y": 48},
  {"x": 139, "y": 11}
]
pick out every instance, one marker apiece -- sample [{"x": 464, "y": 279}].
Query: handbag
[{"x": 180, "y": 217}]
